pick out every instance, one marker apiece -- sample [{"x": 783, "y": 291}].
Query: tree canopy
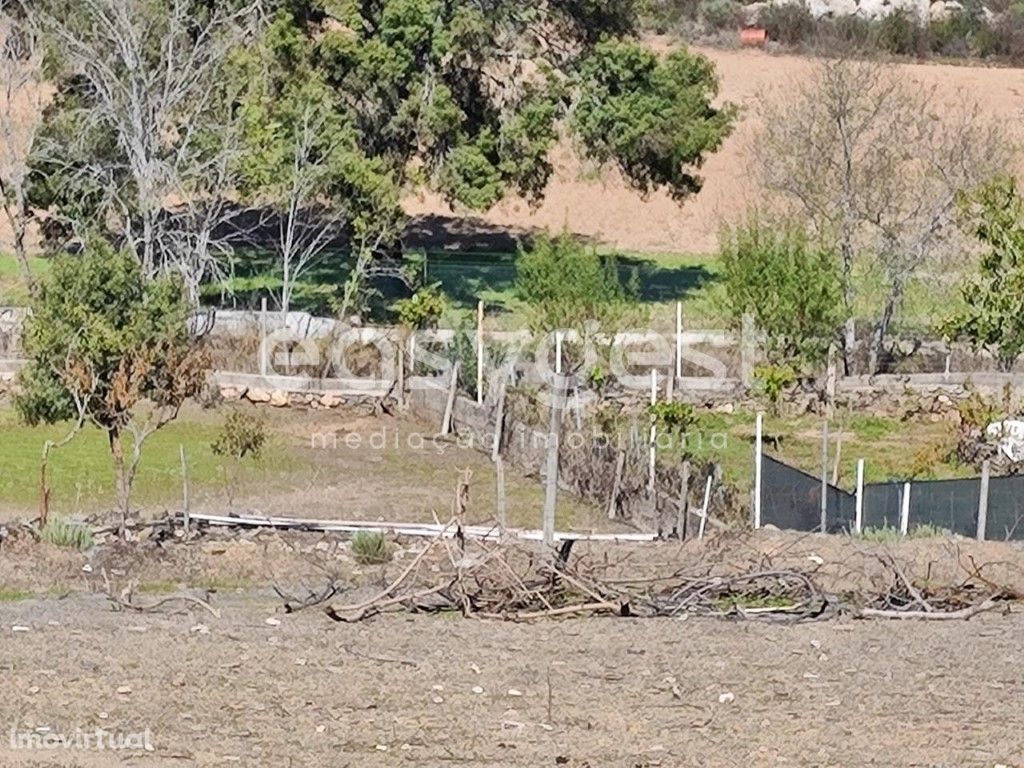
[{"x": 164, "y": 101}]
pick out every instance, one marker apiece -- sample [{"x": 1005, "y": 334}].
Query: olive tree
[
  {"x": 992, "y": 317},
  {"x": 109, "y": 347}
]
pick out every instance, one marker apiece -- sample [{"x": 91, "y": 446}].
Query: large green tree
[{"x": 463, "y": 96}]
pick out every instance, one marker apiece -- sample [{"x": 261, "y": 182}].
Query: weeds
[
  {"x": 371, "y": 548},
  {"x": 888, "y": 534},
  {"x": 9, "y": 595},
  {"x": 62, "y": 532}
]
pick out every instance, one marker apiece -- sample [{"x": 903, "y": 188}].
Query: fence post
[
  {"x": 824, "y": 476},
  {"x": 757, "y": 470},
  {"x": 558, "y": 389},
  {"x": 479, "y": 353},
  {"x": 905, "y": 510},
  {"x": 652, "y": 449},
  {"x": 558, "y": 352},
  {"x": 704, "y": 509},
  {"x": 185, "y": 501},
  {"x": 748, "y": 350},
  {"x": 263, "y": 336},
  {"x": 858, "y": 522},
  {"x": 500, "y": 499},
  {"x": 679, "y": 340},
  {"x": 986, "y": 468},
  {"x": 449, "y": 407}
]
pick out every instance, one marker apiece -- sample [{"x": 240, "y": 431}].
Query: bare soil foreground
[{"x": 256, "y": 686}]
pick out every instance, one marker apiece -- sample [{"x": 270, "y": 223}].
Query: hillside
[{"x": 607, "y": 209}]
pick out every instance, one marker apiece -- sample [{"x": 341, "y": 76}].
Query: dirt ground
[
  {"x": 605, "y": 208},
  {"x": 259, "y": 687}
]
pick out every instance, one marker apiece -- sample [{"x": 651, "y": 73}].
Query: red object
[{"x": 753, "y": 36}]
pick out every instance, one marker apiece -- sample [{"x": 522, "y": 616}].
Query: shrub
[
  {"x": 788, "y": 23},
  {"x": 889, "y": 534},
  {"x": 901, "y": 34},
  {"x": 673, "y": 417},
  {"x": 371, "y": 548},
  {"x": 62, "y": 532},
  {"x": 719, "y": 14},
  {"x": 774, "y": 380},
  {"x": 242, "y": 435},
  {"x": 423, "y": 309}
]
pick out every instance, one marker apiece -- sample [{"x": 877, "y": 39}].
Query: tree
[
  {"x": 303, "y": 166},
  {"x": 111, "y": 347},
  {"x": 993, "y": 314},
  {"x": 567, "y": 285},
  {"x": 864, "y": 157},
  {"x": 469, "y": 99},
  {"x": 789, "y": 283},
  {"x": 21, "y": 99},
  {"x": 140, "y": 138}
]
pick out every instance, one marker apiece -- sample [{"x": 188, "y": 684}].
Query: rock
[
  {"x": 19, "y": 628},
  {"x": 477, "y": 689},
  {"x": 726, "y": 698},
  {"x": 725, "y": 408},
  {"x": 257, "y": 396},
  {"x": 331, "y": 400},
  {"x": 272, "y": 622},
  {"x": 124, "y": 690},
  {"x": 232, "y": 393},
  {"x": 278, "y": 398},
  {"x": 513, "y": 692}
]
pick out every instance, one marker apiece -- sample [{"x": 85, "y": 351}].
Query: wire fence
[{"x": 792, "y": 499}]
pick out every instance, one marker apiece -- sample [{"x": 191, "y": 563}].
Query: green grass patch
[
  {"x": 13, "y": 291},
  {"x": 62, "y": 532},
  {"x": 10, "y": 595},
  {"x": 81, "y": 474}
]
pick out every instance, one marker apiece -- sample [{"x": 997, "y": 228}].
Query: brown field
[
  {"x": 606, "y": 209},
  {"x": 440, "y": 690}
]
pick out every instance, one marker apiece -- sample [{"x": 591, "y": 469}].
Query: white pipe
[
  {"x": 653, "y": 450},
  {"x": 558, "y": 352}
]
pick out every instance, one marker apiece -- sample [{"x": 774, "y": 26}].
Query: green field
[
  {"x": 81, "y": 475},
  {"x": 13, "y": 292}
]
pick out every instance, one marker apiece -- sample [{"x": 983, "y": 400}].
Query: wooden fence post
[
  {"x": 449, "y": 408},
  {"x": 620, "y": 464},
  {"x": 682, "y": 518},
  {"x": 558, "y": 390},
  {"x": 986, "y": 469},
  {"x": 502, "y": 505},
  {"x": 185, "y": 501}
]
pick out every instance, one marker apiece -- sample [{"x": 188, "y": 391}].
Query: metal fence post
[
  {"x": 824, "y": 476},
  {"x": 858, "y": 522},
  {"x": 758, "y": 429},
  {"x": 905, "y": 510}
]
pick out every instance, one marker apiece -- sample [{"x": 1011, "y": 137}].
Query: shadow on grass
[{"x": 470, "y": 258}]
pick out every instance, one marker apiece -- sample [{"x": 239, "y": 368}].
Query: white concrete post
[
  {"x": 679, "y": 339},
  {"x": 758, "y": 430},
  {"x": 653, "y": 450},
  {"x": 858, "y": 522},
  {"x": 986, "y": 469},
  {"x": 905, "y": 510},
  {"x": 558, "y": 352},
  {"x": 479, "y": 353}
]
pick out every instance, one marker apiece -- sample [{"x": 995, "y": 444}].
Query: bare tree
[
  {"x": 22, "y": 94},
  {"x": 876, "y": 162},
  {"x": 154, "y": 136}
]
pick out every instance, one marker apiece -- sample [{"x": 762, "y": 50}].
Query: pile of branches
[{"x": 509, "y": 580}]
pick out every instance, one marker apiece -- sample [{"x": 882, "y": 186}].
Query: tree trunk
[
  {"x": 882, "y": 326},
  {"x": 121, "y": 479}
]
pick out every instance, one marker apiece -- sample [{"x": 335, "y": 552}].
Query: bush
[
  {"x": 901, "y": 33},
  {"x": 62, "y": 532},
  {"x": 371, "y": 548},
  {"x": 242, "y": 435},
  {"x": 774, "y": 380},
  {"x": 789, "y": 284},
  {"x": 720, "y": 14},
  {"x": 789, "y": 23},
  {"x": 423, "y": 309},
  {"x": 675, "y": 418}
]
